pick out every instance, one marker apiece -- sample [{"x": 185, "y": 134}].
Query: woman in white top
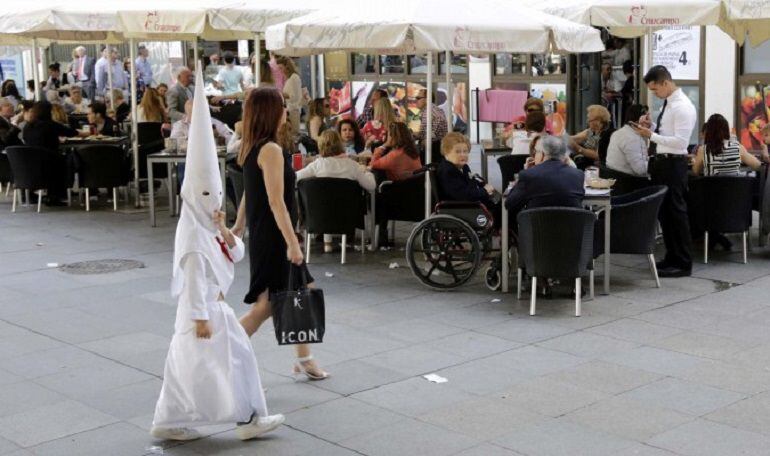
[
  {"x": 627, "y": 151},
  {"x": 334, "y": 162},
  {"x": 292, "y": 90}
]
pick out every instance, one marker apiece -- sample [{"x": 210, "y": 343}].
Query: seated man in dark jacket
[
  {"x": 455, "y": 182},
  {"x": 551, "y": 183}
]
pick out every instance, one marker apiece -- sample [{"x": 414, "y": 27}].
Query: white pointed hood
[{"x": 201, "y": 195}]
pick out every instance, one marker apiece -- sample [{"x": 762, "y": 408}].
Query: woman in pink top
[{"x": 398, "y": 157}]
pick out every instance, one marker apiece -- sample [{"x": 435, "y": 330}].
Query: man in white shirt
[
  {"x": 181, "y": 128},
  {"x": 100, "y": 72},
  {"x": 119, "y": 77},
  {"x": 143, "y": 67},
  {"x": 229, "y": 79},
  {"x": 75, "y": 103},
  {"x": 669, "y": 139}
]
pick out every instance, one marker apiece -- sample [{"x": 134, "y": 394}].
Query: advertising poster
[
  {"x": 755, "y": 114},
  {"x": 554, "y": 98},
  {"x": 678, "y": 49},
  {"x": 13, "y": 69}
]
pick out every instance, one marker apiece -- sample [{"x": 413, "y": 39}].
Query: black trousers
[{"x": 671, "y": 171}]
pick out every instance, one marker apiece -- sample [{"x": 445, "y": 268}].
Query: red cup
[
  {"x": 93, "y": 129},
  {"x": 296, "y": 161}
]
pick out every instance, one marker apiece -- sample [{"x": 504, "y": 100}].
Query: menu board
[{"x": 678, "y": 49}]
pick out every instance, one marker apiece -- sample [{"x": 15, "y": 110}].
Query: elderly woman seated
[
  {"x": 454, "y": 178},
  {"x": 590, "y": 145},
  {"x": 334, "y": 162}
]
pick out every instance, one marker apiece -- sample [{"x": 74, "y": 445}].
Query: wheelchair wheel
[
  {"x": 443, "y": 252},
  {"x": 493, "y": 277}
]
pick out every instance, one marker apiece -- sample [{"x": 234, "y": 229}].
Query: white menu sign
[{"x": 678, "y": 49}]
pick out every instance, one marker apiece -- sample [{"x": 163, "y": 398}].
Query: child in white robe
[{"x": 211, "y": 374}]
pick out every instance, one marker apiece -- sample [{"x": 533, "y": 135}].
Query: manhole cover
[{"x": 100, "y": 266}]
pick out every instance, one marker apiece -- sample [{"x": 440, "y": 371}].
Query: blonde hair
[
  {"x": 288, "y": 63},
  {"x": 383, "y": 111},
  {"x": 152, "y": 107},
  {"x": 452, "y": 139},
  {"x": 58, "y": 114},
  {"x": 601, "y": 112},
  {"x": 330, "y": 144}
]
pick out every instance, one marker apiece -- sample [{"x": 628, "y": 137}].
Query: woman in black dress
[{"x": 268, "y": 201}]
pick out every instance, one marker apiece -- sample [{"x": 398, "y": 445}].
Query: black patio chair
[
  {"x": 557, "y": 243},
  {"x": 27, "y": 166},
  {"x": 725, "y": 207},
  {"x": 6, "y": 176},
  {"x": 103, "y": 166},
  {"x": 402, "y": 201},
  {"x": 510, "y": 166},
  {"x": 624, "y": 183},
  {"x": 331, "y": 206},
  {"x": 634, "y": 223}
]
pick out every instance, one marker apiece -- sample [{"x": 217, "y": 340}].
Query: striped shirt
[{"x": 727, "y": 162}]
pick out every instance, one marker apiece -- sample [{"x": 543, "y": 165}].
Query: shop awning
[
  {"x": 747, "y": 18},
  {"x": 415, "y": 26}
]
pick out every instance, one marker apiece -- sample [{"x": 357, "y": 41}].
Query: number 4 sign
[{"x": 678, "y": 49}]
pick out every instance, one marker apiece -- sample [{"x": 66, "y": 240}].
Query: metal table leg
[
  {"x": 484, "y": 165},
  {"x": 504, "y": 271},
  {"x": 373, "y": 219},
  {"x": 607, "y": 217},
  {"x": 151, "y": 188},
  {"x": 170, "y": 184}
]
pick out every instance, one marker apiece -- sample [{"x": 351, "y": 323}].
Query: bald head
[{"x": 184, "y": 77}]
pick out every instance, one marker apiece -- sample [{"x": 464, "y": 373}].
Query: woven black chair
[
  {"x": 331, "y": 206},
  {"x": 103, "y": 166},
  {"x": 402, "y": 201},
  {"x": 624, "y": 183},
  {"x": 510, "y": 166},
  {"x": 6, "y": 176},
  {"x": 27, "y": 165},
  {"x": 634, "y": 222},
  {"x": 725, "y": 203},
  {"x": 556, "y": 242}
]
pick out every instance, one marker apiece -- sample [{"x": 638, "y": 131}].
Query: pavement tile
[
  {"x": 749, "y": 380},
  {"x": 562, "y": 438},
  {"x": 587, "y": 344},
  {"x": 548, "y": 397},
  {"x": 537, "y": 360},
  {"x": 342, "y": 419},
  {"x": 605, "y": 377},
  {"x": 115, "y": 440},
  {"x": 354, "y": 376},
  {"x": 683, "y": 396},
  {"x": 751, "y": 414},
  {"x": 414, "y": 397},
  {"x": 290, "y": 397},
  {"x": 19, "y": 397},
  {"x": 525, "y": 330},
  {"x": 484, "y": 376},
  {"x": 630, "y": 419},
  {"x": 634, "y": 330},
  {"x": 414, "y": 437},
  {"x": 655, "y": 360},
  {"x": 415, "y": 360},
  {"x": 51, "y": 422},
  {"x": 706, "y": 438},
  {"x": 704, "y": 345},
  {"x": 472, "y": 345},
  {"x": 85, "y": 381},
  {"x": 487, "y": 449}
]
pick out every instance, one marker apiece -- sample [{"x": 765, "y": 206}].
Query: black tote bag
[{"x": 299, "y": 312}]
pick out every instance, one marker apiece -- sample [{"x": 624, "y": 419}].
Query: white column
[
  {"x": 719, "y": 85},
  {"x": 134, "y": 133},
  {"x": 35, "y": 69},
  {"x": 109, "y": 76},
  {"x": 449, "y": 89},
  {"x": 258, "y": 61},
  {"x": 429, "y": 135},
  {"x": 313, "y": 76},
  {"x": 195, "y": 53}
]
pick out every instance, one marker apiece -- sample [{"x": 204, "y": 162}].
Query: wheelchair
[{"x": 445, "y": 250}]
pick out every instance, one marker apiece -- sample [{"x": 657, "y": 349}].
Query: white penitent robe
[{"x": 208, "y": 381}]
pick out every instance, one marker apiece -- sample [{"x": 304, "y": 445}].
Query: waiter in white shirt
[{"x": 668, "y": 166}]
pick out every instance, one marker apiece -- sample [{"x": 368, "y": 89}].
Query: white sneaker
[
  {"x": 258, "y": 426},
  {"x": 174, "y": 433}
]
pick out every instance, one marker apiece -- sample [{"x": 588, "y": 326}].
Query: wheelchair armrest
[{"x": 383, "y": 184}]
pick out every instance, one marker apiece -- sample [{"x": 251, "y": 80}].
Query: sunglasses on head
[{"x": 420, "y": 98}]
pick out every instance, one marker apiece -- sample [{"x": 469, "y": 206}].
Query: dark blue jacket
[
  {"x": 551, "y": 183},
  {"x": 458, "y": 185}
]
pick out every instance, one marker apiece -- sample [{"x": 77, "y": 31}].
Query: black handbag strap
[{"x": 292, "y": 268}]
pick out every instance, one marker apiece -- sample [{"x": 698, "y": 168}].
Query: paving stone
[
  {"x": 354, "y": 376},
  {"x": 732, "y": 377},
  {"x": 19, "y": 397},
  {"x": 587, "y": 344},
  {"x": 414, "y": 437},
  {"x": 702, "y": 344},
  {"x": 51, "y": 422},
  {"x": 549, "y": 397},
  {"x": 483, "y": 419},
  {"x": 413, "y": 397},
  {"x": 537, "y": 360},
  {"x": 605, "y": 377},
  {"x": 559, "y": 437},
  {"x": 115, "y": 439},
  {"x": 415, "y": 360},
  {"x": 472, "y": 345},
  {"x": 525, "y": 330},
  {"x": 655, "y": 360},
  {"x": 342, "y": 419},
  {"x": 484, "y": 376},
  {"x": 487, "y": 449},
  {"x": 705, "y": 438},
  {"x": 634, "y": 330},
  {"x": 683, "y": 396},
  {"x": 750, "y": 414},
  {"x": 85, "y": 381},
  {"x": 633, "y": 420}
]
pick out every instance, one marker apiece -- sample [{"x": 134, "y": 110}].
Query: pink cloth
[
  {"x": 278, "y": 77},
  {"x": 497, "y": 105}
]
